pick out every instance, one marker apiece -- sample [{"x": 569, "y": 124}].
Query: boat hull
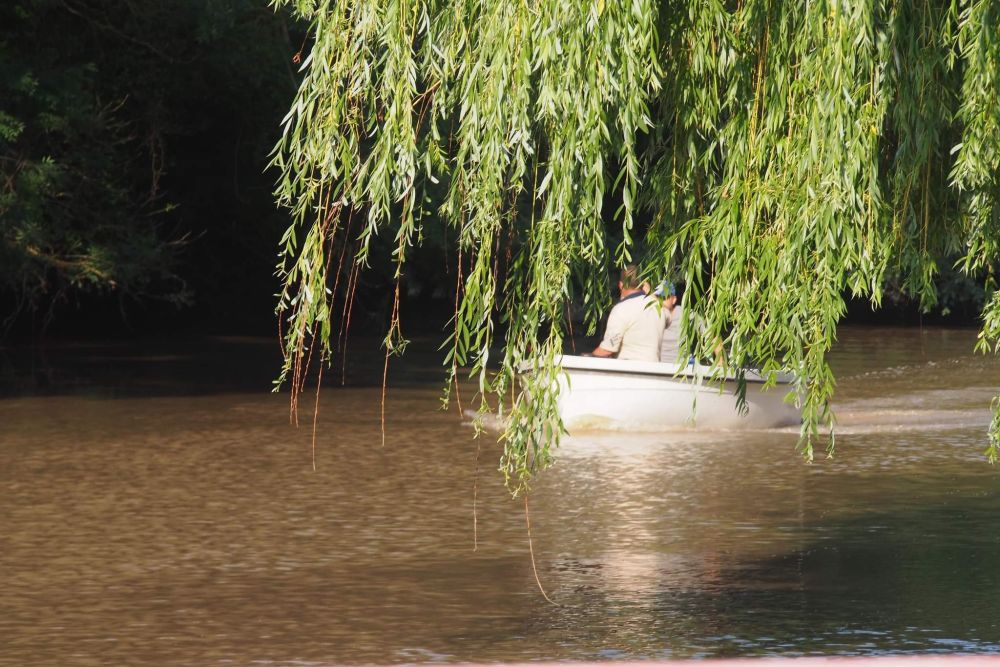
[{"x": 598, "y": 393}]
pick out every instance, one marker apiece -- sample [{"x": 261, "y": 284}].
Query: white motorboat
[{"x": 601, "y": 393}]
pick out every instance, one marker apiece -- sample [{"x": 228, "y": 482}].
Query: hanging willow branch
[{"x": 776, "y": 155}]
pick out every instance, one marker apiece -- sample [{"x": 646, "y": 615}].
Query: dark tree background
[{"x": 134, "y": 137}]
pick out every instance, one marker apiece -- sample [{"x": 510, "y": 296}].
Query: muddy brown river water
[{"x": 156, "y": 508}]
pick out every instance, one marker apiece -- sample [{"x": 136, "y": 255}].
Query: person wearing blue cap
[{"x": 670, "y": 344}]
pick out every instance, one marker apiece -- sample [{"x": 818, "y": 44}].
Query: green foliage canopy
[{"x": 774, "y": 155}]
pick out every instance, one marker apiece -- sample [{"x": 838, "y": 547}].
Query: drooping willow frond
[{"x": 775, "y": 155}]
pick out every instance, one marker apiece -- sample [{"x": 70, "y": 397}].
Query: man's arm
[{"x": 613, "y": 335}]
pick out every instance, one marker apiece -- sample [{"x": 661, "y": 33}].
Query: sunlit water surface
[{"x": 157, "y": 508}]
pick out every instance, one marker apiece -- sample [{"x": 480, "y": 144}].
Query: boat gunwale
[{"x": 662, "y": 369}]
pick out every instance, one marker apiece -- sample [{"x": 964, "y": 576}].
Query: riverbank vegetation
[{"x": 133, "y": 140}]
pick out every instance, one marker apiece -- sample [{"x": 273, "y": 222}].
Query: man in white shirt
[{"x": 636, "y": 323}]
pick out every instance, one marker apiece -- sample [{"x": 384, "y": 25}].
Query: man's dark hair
[{"x": 629, "y": 277}]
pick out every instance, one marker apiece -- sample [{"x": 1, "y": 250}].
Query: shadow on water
[
  {"x": 918, "y": 579},
  {"x": 155, "y": 367},
  {"x": 191, "y": 366}
]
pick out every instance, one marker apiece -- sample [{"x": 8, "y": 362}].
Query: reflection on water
[{"x": 160, "y": 510}]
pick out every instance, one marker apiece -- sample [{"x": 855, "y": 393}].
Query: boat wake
[
  {"x": 926, "y": 410},
  {"x": 487, "y": 420},
  {"x": 596, "y": 424},
  {"x": 888, "y": 420}
]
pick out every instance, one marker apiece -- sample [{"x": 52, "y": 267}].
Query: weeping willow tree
[{"x": 775, "y": 156}]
